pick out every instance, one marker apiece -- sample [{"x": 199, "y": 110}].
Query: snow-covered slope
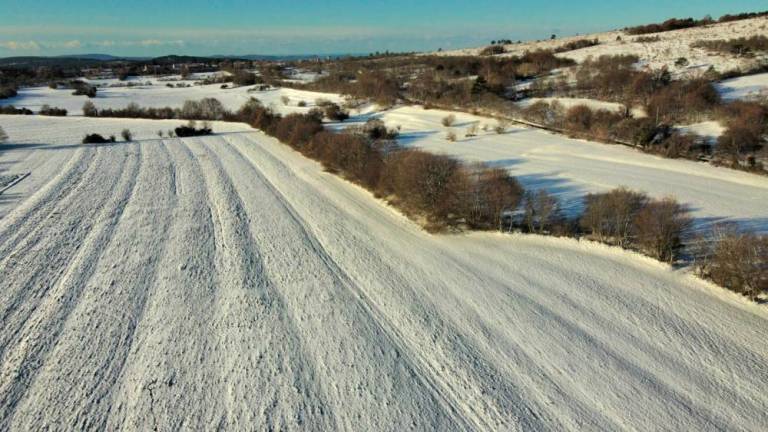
[
  {"x": 226, "y": 282},
  {"x": 665, "y": 52},
  {"x": 745, "y": 87}
]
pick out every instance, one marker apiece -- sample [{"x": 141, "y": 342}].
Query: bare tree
[
  {"x": 739, "y": 262},
  {"x": 541, "y": 211},
  {"x": 3, "y": 135},
  {"x": 659, "y": 227},
  {"x": 610, "y": 216}
]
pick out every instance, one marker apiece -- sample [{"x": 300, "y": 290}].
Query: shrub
[
  {"x": 3, "y": 135},
  {"x": 127, "y": 135},
  {"x": 83, "y": 89},
  {"x": 429, "y": 185},
  {"x": 577, "y": 44},
  {"x": 97, "y": 139},
  {"x": 302, "y": 104},
  {"x": 244, "y": 78},
  {"x": 542, "y": 211},
  {"x": 353, "y": 156},
  {"x": 90, "y": 110},
  {"x": 492, "y": 50},
  {"x": 501, "y": 127},
  {"x": 204, "y": 109},
  {"x": 296, "y": 130},
  {"x": 52, "y": 111},
  {"x": 738, "y": 46},
  {"x": 450, "y": 136},
  {"x": 7, "y": 92},
  {"x": 448, "y": 120},
  {"x": 335, "y": 113},
  {"x": 659, "y": 228},
  {"x": 285, "y": 99},
  {"x": 11, "y": 110},
  {"x": 610, "y": 216},
  {"x": 493, "y": 195},
  {"x": 739, "y": 262},
  {"x": 190, "y": 130}
]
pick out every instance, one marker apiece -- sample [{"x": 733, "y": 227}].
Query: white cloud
[{"x": 20, "y": 45}]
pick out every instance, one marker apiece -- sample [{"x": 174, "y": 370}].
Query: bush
[
  {"x": 83, "y": 89},
  {"x": 90, "y": 110},
  {"x": 244, "y": 78},
  {"x": 190, "y": 130},
  {"x": 738, "y": 46},
  {"x": 97, "y": 139},
  {"x": 7, "y": 92},
  {"x": 302, "y": 104},
  {"x": 3, "y": 136},
  {"x": 609, "y": 217},
  {"x": 448, "y": 120},
  {"x": 428, "y": 185},
  {"x": 659, "y": 228},
  {"x": 739, "y": 262},
  {"x": 492, "y": 50},
  {"x": 127, "y": 135},
  {"x": 11, "y": 110},
  {"x": 493, "y": 195},
  {"x": 542, "y": 211},
  {"x": 335, "y": 113},
  {"x": 450, "y": 136},
  {"x": 46, "y": 110},
  {"x": 577, "y": 44}
]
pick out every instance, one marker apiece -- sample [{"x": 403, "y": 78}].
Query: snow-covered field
[
  {"x": 665, "y": 52},
  {"x": 745, "y": 87},
  {"x": 226, "y": 282}
]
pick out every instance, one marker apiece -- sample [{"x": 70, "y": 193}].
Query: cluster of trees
[
  {"x": 739, "y": 46},
  {"x": 613, "y": 126},
  {"x": 434, "y": 80},
  {"x": 204, "y": 109}
]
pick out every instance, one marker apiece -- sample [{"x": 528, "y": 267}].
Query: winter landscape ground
[
  {"x": 229, "y": 282},
  {"x": 210, "y": 282}
]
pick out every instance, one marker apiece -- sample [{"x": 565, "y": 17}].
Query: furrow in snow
[
  {"x": 73, "y": 387},
  {"x": 42, "y": 329}
]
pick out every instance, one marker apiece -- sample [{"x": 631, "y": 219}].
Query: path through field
[{"x": 228, "y": 283}]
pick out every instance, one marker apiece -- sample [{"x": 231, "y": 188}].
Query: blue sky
[{"x": 204, "y": 27}]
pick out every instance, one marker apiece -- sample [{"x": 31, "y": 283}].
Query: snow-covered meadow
[{"x": 228, "y": 282}]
